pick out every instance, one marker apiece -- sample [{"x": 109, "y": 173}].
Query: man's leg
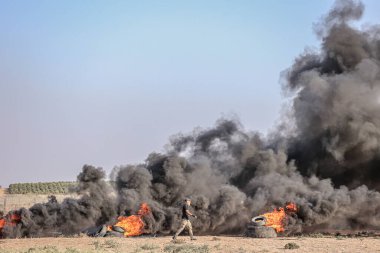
[
  {"x": 183, "y": 225},
  {"x": 190, "y": 228}
]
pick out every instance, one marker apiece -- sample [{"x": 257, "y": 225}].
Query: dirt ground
[{"x": 204, "y": 244}]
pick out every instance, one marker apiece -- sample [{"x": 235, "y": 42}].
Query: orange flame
[
  {"x": 9, "y": 220},
  {"x": 291, "y": 207},
  {"x": 133, "y": 225},
  {"x": 144, "y": 209},
  {"x": 2, "y": 224},
  {"x": 14, "y": 218},
  {"x": 276, "y": 218}
]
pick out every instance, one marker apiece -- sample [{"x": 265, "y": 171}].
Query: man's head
[{"x": 188, "y": 201}]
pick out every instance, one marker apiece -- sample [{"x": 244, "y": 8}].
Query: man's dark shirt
[{"x": 185, "y": 208}]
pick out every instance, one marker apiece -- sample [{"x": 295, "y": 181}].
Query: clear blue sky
[{"x": 107, "y": 82}]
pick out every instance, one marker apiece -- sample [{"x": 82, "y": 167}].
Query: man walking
[{"x": 185, "y": 223}]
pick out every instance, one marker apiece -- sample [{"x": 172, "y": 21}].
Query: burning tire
[
  {"x": 114, "y": 234},
  {"x": 261, "y": 232},
  {"x": 259, "y": 221},
  {"x": 118, "y": 229}
]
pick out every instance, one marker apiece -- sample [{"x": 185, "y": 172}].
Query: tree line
[{"x": 41, "y": 188}]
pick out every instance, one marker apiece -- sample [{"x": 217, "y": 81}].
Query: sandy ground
[{"x": 222, "y": 244}]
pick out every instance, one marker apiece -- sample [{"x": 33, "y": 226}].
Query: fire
[
  {"x": 133, "y": 225},
  {"x": 276, "y": 218},
  {"x": 291, "y": 207},
  {"x": 2, "y": 224},
  {"x": 11, "y": 219},
  {"x": 144, "y": 209}
]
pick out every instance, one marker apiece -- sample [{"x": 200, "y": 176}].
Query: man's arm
[{"x": 189, "y": 213}]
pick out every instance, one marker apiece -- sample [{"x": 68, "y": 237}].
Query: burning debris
[
  {"x": 325, "y": 158},
  {"x": 8, "y": 222},
  {"x": 277, "y": 218},
  {"x": 271, "y": 223},
  {"x": 126, "y": 226},
  {"x": 131, "y": 225}
]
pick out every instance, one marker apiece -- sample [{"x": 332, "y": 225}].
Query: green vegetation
[
  {"x": 178, "y": 241},
  {"x": 340, "y": 237},
  {"x": 187, "y": 248},
  {"x": 53, "y": 249},
  {"x": 46, "y": 249},
  {"x": 72, "y": 250},
  {"x": 108, "y": 244},
  {"x": 41, "y": 188},
  {"x": 291, "y": 245},
  {"x": 149, "y": 246},
  {"x": 316, "y": 235}
]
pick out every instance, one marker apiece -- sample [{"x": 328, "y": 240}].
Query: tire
[
  {"x": 99, "y": 231},
  {"x": 259, "y": 221},
  {"x": 118, "y": 229},
  {"x": 113, "y": 234},
  {"x": 102, "y": 232},
  {"x": 261, "y": 232}
]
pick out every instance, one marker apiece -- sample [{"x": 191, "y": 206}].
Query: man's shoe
[
  {"x": 174, "y": 237},
  {"x": 193, "y": 239}
]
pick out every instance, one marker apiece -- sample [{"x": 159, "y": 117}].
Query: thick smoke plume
[
  {"x": 327, "y": 161},
  {"x": 96, "y": 206}
]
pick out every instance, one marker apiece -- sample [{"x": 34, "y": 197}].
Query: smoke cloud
[{"x": 326, "y": 160}]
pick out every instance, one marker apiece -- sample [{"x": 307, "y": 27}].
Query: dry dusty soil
[{"x": 204, "y": 244}]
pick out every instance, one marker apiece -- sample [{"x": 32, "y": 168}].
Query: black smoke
[
  {"x": 325, "y": 157},
  {"x": 336, "y": 109},
  {"x": 96, "y": 205}
]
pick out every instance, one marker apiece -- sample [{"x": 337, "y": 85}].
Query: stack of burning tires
[{"x": 256, "y": 228}]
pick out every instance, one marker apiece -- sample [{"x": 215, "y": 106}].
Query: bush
[{"x": 291, "y": 245}]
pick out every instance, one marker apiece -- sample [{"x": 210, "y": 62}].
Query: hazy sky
[{"x": 107, "y": 82}]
